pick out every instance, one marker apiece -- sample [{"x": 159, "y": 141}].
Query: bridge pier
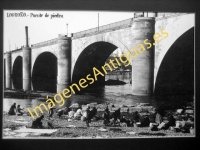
[
  {"x": 26, "y": 68},
  {"x": 8, "y": 70},
  {"x": 143, "y": 65},
  {"x": 26, "y": 64},
  {"x": 64, "y": 63}
]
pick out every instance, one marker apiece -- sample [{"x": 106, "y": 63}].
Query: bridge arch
[
  {"x": 17, "y": 74},
  {"x": 176, "y": 72},
  {"x": 44, "y": 72},
  {"x": 106, "y": 38},
  {"x": 94, "y": 53},
  {"x": 36, "y": 52},
  {"x": 176, "y": 26},
  {"x": 15, "y": 55}
]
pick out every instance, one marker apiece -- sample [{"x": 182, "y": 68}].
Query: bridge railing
[
  {"x": 104, "y": 28},
  {"x": 16, "y": 50},
  {"x": 112, "y": 26},
  {"x": 45, "y": 43}
]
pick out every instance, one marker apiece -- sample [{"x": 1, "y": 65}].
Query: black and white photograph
[{"x": 88, "y": 74}]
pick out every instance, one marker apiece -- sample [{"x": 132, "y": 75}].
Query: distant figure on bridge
[
  {"x": 12, "y": 110},
  {"x": 19, "y": 111}
]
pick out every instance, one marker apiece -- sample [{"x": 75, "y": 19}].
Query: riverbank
[
  {"x": 78, "y": 129},
  {"x": 72, "y": 128},
  {"x": 12, "y": 93}
]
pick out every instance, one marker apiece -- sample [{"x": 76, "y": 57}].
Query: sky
[{"x": 43, "y": 28}]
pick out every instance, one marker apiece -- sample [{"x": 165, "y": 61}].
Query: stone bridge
[{"x": 59, "y": 62}]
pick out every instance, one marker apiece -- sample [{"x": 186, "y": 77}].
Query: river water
[{"x": 118, "y": 94}]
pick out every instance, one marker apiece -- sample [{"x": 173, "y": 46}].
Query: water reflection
[
  {"x": 120, "y": 95},
  {"x": 123, "y": 76}
]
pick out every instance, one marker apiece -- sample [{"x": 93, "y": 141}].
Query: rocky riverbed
[{"x": 75, "y": 128}]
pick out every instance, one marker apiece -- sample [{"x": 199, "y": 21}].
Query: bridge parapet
[
  {"x": 17, "y": 50},
  {"x": 45, "y": 43},
  {"x": 106, "y": 28},
  {"x": 162, "y": 16}
]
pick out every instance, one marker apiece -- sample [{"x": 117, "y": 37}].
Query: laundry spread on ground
[
  {"x": 103, "y": 130},
  {"x": 25, "y": 122},
  {"x": 36, "y": 130},
  {"x": 23, "y": 132},
  {"x": 131, "y": 133}
]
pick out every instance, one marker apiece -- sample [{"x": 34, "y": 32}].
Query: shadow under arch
[
  {"x": 44, "y": 73},
  {"x": 17, "y": 73},
  {"x": 94, "y": 55},
  {"x": 176, "y": 72}
]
